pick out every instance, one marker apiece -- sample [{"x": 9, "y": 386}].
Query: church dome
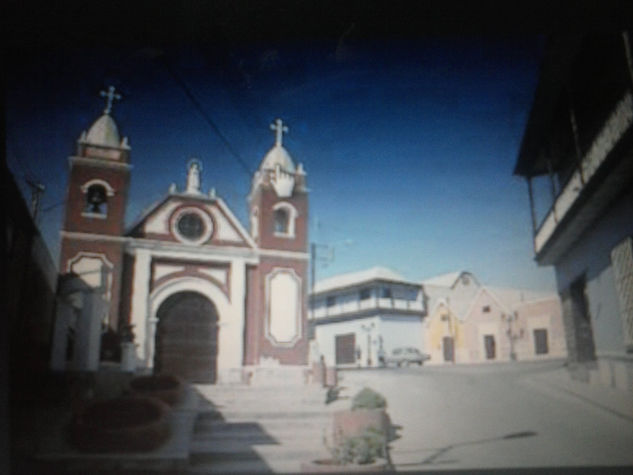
[
  {"x": 104, "y": 132},
  {"x": 278, "y": 155}
]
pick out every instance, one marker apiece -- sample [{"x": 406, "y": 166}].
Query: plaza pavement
[
  {"x": 520, "y": 415},
  {"x": 514, "y": 415}
]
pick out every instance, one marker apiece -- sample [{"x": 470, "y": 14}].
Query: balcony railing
[
  {"x": 616, "y": 125},
  {"x": 378, "y": 304}
]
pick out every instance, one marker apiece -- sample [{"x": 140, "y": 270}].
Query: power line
[
  {"x": 27, "y": 173},
  {"x": 183, "y": 85},
  {"x": 53, "y": 206}
]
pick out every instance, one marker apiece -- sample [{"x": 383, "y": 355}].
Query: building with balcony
[
  {"x": 577, "y": 159},
  {"x": 359, "y": 316}
]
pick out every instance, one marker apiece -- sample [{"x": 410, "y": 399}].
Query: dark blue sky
[{"x": 409, "y": 145}]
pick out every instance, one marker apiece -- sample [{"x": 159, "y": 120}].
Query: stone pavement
[{"x": 615, "y": 401}]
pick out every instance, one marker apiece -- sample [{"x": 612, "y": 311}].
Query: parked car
[{"x": 406, "y": 356}]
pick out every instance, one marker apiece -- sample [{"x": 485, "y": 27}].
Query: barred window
[{"x": 622, "y": 260}]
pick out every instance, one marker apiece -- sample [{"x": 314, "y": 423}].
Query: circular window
[{"x": 190, "y": 226}]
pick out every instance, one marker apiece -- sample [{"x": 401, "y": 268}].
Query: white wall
[
  {"x": 325, "y": 336},
  {"x": 396, "y": 331}
]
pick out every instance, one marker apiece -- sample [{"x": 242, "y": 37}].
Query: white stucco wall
[
  {"x": 395, "y": 330},
  {"x": 398, "y": 331}
]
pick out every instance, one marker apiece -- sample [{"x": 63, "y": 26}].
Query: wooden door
[
  {"x": 490, "y": 346},
  {"x": 540, "y": 341},
  {"x": 345, "y": 347},
  {"x": 448, "y": 345},
  {"x": 187, "y": 338}
]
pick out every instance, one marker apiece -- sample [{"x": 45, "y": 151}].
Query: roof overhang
[{"x": 558, "y": 57}]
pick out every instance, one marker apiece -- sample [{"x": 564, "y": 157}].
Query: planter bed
[
  {"x": 166, "y": 387},
  {"x": 126, "y": 424},
  {"x": 330, "y": 466}
]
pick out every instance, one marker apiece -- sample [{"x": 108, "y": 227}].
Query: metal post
[
  {"x": 574, "y": 131},
  {"x": 312, "y": 277},
  {"x": 552, "y": 185},
  {"x": 627, "y": 52},
  {"x": 36, "y": 191},
  {"x": 369, "y": 348},
  {"x": 532, "y": 211}
]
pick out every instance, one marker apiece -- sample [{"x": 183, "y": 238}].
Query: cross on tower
[
  {"x": 111, "y": 96},
  {"x": 279, "y": 129}
]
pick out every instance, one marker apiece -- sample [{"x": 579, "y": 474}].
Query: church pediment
[{"x": 192, "y": 220}]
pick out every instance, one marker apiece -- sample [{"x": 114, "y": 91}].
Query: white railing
[
  {"x": 613, "y": 129},
  {"x": 363, "y": 305}
]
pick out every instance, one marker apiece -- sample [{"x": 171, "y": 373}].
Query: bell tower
[
  {"x": 276, "y": 329},
  {"x": 96, "y": 196}
]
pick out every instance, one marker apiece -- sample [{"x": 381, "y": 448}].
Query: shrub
[
  {"x": 362, "y": 449},
  {"x": 368, "y": 399}
]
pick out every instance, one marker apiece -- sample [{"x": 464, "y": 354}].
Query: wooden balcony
[{"x": 573, "y": 209}]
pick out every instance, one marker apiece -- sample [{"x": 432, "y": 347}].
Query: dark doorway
[
  {"x": 540, "y": 341},
  {"x": 187, "y": 338},
  {"x": 582, "y": 330},
  {"x": 491, "y": 347},
  {"x": 448, "y": 345},
  {"x": 345, "y": 348}
]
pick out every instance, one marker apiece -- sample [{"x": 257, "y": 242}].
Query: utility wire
[
  {"x": 183, "y": 85},
  {"x": 53, "y": 206},
  {"x": 27, "y": 173}
]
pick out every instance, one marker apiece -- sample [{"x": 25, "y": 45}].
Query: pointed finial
[
  {"x": 111, "y": 96},
  {"x": 279, "y": 129}
]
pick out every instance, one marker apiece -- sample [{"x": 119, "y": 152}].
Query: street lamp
[
  {"x": 512, "y": 335},
  {"x": 368, "y": 328}
]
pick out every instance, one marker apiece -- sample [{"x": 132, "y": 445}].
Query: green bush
[
  {"x": 362, "y": 449},
  {"x": 368, "y": 399}
]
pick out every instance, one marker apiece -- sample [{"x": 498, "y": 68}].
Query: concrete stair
[{"x": 242, "y": 429}]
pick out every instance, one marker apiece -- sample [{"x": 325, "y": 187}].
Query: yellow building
[{"x": 445, "y": 337}]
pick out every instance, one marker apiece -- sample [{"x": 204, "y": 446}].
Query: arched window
[
  {"x": 96, "y": 193},
  {"x": 284, "y": 216},
  {"x": 96, "y": 200},
  {"x": 281, "y": 221}
]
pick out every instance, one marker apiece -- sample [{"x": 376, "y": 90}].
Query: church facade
[{"x": 205, "y": 297}]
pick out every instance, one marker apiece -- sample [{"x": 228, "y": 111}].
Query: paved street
[{"x": 490, "y": 416}]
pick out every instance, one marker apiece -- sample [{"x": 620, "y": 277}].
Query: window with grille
[{"x": 622, "y": 261}]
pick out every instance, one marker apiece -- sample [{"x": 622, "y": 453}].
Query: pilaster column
[
  {"x": 236, "y": 327},
  {"x": 140, "y": 298}
]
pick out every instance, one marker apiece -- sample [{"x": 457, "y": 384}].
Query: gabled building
[
  {"x": 448, "y": 298},
  {"x": 205, "y": 297},
  {"x": 472, "y": 323},
  {"x": 359, "y": 315},
  {"x": 577, "y": 159}
]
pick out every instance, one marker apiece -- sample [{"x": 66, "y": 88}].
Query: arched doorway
[{"x": 187, "y": 337}]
